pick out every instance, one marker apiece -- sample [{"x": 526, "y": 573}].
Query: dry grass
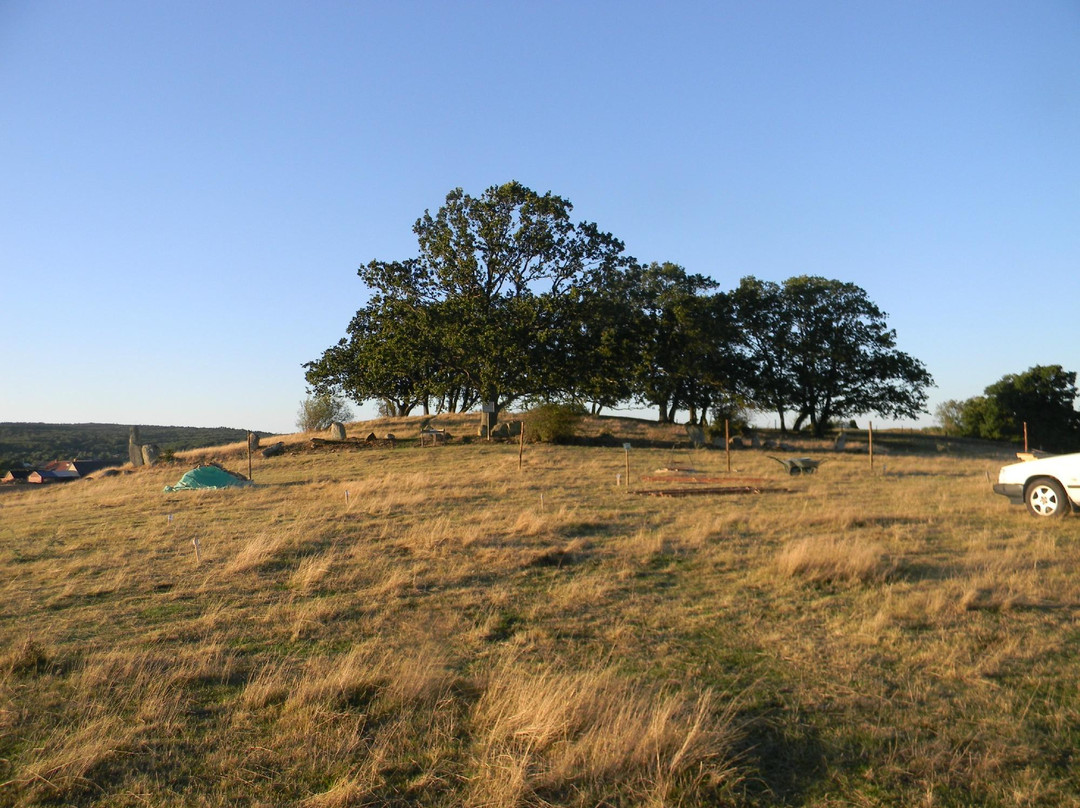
[
  {"x": 828, "y": 559},
  {"x": 545, "y": 736},
  {"x": 458, "y": 633}
]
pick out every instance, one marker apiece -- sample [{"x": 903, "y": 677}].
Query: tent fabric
[{"x": 207, "y": 477}]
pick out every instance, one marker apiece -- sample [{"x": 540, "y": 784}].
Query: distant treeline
[{"x": 33, "y": 444}]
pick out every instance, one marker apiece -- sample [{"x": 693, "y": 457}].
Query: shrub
[
  {"x": 318, "y": 412},
  {"x": 553, "y": 423}
]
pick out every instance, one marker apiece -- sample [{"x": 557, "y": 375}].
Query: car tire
[{"x": 1046, "y": 499}]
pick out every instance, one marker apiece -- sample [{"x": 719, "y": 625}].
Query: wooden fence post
[
  {"x": 870, "y": 433},
  {"x": 521, "y": 445},
  {"x": 727, "y": 444}
]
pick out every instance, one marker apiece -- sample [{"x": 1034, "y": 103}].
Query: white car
[{"x": 1049, "y": 486}]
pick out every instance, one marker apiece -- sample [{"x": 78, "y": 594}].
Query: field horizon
[{"x": 438, "y": 626}]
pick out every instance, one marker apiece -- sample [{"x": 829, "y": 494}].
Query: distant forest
[{"x": 34, "y": 444}]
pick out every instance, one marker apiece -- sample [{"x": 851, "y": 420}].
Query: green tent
[{"x": 207, "y": 477}]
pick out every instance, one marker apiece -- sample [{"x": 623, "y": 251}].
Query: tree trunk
[
  {"x": 665, "y": 416},
  {"x": 822, "y": 423}
]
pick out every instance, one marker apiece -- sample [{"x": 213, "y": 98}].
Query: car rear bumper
[{"x": 1014, "y": 492}]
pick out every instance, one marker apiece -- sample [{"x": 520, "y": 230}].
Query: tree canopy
[
  {"x": 1042, "y": 397},
  {"x": 500, "y": 272},
  {"x": 821, "y": 348}
]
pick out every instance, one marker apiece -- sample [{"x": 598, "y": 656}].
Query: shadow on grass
[{"x": 781, "y": 756}]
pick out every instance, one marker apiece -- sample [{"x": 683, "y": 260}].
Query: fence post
[
  {"x": 727, "y": 444},
  {"x": 870, "y": 433}
]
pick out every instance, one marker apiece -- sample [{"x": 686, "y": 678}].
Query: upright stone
[
  {"x": 696, "y": 435},
  {"x": 253, "y": 441},
  {"x": 150, "y": 453},
  {"x": 841, "y": 442},
  {"x": 134, "y": 447},
  {"x": 337, "y": 431}
]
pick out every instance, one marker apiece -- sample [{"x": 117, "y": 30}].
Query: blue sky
[{"x": 189, "y": 187}]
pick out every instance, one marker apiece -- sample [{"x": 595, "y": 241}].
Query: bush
[
  {"x": 318, "y": 412},
  {"x": 553, "y": 423}
]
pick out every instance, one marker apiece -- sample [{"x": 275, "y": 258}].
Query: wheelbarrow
[{"x": 798, "y": 465}]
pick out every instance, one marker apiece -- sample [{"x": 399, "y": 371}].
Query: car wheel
[{"x": 1046, "y": 498}]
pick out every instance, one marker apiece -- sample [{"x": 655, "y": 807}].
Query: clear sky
[{"x": 188, "y": 187}]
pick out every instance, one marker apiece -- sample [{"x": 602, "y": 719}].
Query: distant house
[
  {"x": 51, "y": 476},
  {"x": 84, "y": 467},
  {"x": 55, "y": 472}
]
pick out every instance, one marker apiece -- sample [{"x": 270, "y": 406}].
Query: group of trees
[
  {"x": 509, "y": 300},
  {"x": 1042, "y": 398}
]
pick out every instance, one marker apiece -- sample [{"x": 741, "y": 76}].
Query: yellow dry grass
[{"x": 456, "y": 632}]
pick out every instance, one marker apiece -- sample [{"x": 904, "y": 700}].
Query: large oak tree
[
  {"x": 823, "y": 350},
  {"x": 503, "y": 271}
]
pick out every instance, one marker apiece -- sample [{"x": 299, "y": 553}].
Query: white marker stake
[
  {"x": 346, "y": 497},
  {"x": 198, "y": 555}
]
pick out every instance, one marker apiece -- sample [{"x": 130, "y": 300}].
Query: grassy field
[{"x": 435, "y": 627}]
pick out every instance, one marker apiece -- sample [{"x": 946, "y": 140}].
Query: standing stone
[
  {"x": 134, "y": 448},
  {"x": 696, "y": 435},
  {"x": 150, "y": 453},
  {"x": 337, "y": 431},
  {"x": 840, "y": 443},
  {"x": 253, "y": 441}
]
